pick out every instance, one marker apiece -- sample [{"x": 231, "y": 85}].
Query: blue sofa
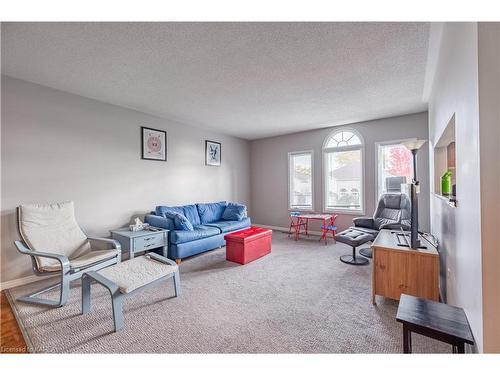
[{"x": 206, "y": 219}]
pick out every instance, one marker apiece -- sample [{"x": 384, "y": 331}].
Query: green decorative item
[{"x": 446, "y": 183}]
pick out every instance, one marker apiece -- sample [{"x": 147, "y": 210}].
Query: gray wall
[
  {"x": 58, "y": 146},
  {"x": 455, "y": 92},
  {"x": 269, "y": 167}
]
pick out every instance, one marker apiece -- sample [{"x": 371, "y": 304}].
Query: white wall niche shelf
[{"x": 445, "y": 160}]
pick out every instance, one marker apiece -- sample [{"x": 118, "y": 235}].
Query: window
[
  {"x": 300, "y": 196},
  {"x": 394, "y": 167},
  {"x": 343, "y": 172}
]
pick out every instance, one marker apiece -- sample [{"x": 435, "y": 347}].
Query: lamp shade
[{"x": 414, "y": 144}]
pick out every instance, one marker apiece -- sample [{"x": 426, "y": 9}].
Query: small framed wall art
[
  {"x": 154, "y": 144},
  {"x": 213, "y": 153}
]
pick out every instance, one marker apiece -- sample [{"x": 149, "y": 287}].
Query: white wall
[
  {"x": 58, "y": 146},
  {"x": 455, "y": 92},
  {"x": 269, "y": 167}
]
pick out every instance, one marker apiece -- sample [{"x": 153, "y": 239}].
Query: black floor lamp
[{"x": 414, "y": 145}]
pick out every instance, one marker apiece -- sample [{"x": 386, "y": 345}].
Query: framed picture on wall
[
  {"x": 154, "y": 144},
  {"x": 213, "y": 153}
]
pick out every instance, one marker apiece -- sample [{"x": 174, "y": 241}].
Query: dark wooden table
[{"x": 433, "y": 319}]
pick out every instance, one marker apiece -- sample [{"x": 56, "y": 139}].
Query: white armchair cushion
[
  {"x": 84, "y": 261},
  {"x": 52, "y": 228}
]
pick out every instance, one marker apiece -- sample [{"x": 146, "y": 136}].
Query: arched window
[
  {"x": 343, "y": 171},
  {"x": 343, "y": 138}
]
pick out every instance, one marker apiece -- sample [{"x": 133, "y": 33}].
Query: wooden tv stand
[{"x": 400, "y": 269}]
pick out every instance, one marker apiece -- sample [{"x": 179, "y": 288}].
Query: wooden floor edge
[{"x": 13, "y": 338}]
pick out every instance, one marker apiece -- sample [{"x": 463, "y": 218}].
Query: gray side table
[{"x": 143, "y": 240}]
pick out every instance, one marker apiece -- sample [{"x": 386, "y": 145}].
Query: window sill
[
  {"x": 345, "y": 212},
  {"x": 301, "y": 209}
]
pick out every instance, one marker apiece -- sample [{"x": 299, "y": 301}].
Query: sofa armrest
[
  {"x": 159, "y": 221},
  {"x": 364, "y": 222}
]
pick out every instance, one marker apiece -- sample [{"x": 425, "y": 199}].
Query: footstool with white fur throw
[
  {"x": 124, "y": 278},
  {"x": 353, "y": 238}
]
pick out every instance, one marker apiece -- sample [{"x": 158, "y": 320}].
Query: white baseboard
[
  {"x": 21, "y": 281},
  {"x": 283, "y": 229}
]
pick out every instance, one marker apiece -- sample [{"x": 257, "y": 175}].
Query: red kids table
[{"x": 328, "y": 224}]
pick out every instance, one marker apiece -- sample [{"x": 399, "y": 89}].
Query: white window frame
[
  {"x": 290, "y": 155},
  {"x": 326, "y": 151},
  {"x": 377, "y": 146}
]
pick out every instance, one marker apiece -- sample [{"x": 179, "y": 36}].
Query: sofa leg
[{"x": 178, "y": 261}]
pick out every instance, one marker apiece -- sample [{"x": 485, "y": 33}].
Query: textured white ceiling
[{"x": 250, "y": 80}]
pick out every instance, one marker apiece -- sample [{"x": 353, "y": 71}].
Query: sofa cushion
[
  {"x": 190, "y": 211},
  {"x": 234, "y": 211},
  {"x": 211, "y": 212},
  {"x": 198, "y": 232},
  {"x": 180, "y": 221},
  {"x": 226, "y": 226}
]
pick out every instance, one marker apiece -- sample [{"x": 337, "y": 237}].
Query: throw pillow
[
  {"x": 160, "y": 210},
  {"x": 235, "y": 211},
  {"x": 180, "y": 221}
]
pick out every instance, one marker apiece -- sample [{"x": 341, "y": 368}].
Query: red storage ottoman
[{"x": 247, "y": 245}]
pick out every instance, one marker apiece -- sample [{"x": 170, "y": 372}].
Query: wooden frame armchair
[{"x": 57, "y": 246}]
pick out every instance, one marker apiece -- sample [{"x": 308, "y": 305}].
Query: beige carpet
[{"x": 298, "y": 299}]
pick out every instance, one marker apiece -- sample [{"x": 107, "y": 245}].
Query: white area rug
[{"x": 298, "y": 299}]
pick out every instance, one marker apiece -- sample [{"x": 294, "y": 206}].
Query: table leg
[
  {"x": 406, "y": 340},
  {"x": 131, "y": 250},
  {"x": 332, "y": 223},
  {"x": 322, "y": 232},
  {"x": 325, "y": 231},
  {"x": 165, "y": 247}
]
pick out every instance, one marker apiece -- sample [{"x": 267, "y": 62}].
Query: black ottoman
[{"x": 353, "y": 238}]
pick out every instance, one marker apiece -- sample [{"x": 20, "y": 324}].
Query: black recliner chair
[{"x": 393, "y": 212}]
